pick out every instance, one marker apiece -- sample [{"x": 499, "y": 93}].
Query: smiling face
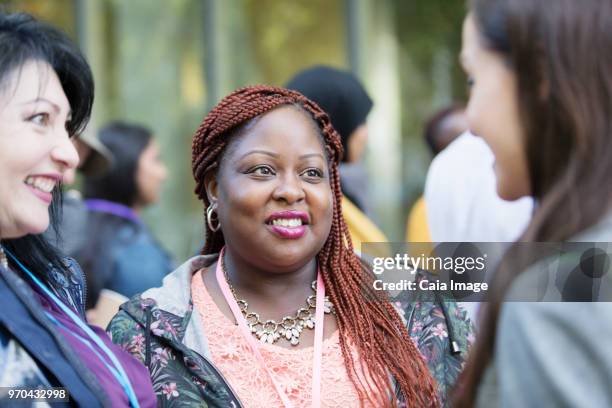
[
  {"x": 273, "y": 193},
  {"x": 493, "y": 112},
  {"x": 35, "y": 148}
]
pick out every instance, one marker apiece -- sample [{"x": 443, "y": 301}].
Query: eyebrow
[
  {"x": 306, "y": 156},
  {"x": 55, "y": 106},
  {"x": 267, "y": 153},
  {"x": 275, "y": 155}
]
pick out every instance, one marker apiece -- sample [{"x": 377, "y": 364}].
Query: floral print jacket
[{"x": 158, "y": 328}]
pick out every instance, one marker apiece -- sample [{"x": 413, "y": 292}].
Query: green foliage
[
  {"x": 429, "y": 34},
  {"x": 57, "y": 12},
  {"x": 287, "y": 36}
]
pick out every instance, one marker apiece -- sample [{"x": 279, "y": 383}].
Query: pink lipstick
[
  {"x": 288, "y": 224},
  {"x": 46, "y": 197}
]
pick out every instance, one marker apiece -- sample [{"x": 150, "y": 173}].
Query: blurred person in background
[
  {"x": 444, "y": 127},
  {"x": 462, "y": 205},
  {"x": 46, "y": 95},
  {"x": 461, "y": 200},
  {"x": 541, "y": 98},
  {"x": 265, "y": 161},
  {"x": 345, "y": 100},
  {"x": 120, "y": 253},
  {"x": 94, "y": 159},
  {"x": 440, "y": 130}
]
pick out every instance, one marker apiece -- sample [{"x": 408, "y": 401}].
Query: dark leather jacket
[{"x": 33, "y": 353}]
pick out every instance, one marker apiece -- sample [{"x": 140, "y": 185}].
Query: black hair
[
  {"x": 126, "y": 142},
  {"x": 22, "y": 39},
  {"x": 434, "y": 130},
  {"x": 340, "y": 94}
]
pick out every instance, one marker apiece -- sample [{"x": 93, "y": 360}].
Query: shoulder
[
  {"x": 544, "y": 347},
  {"x": 141, "y": 315},
  {"x": 442, "y": 332},
  {"x": 534, "y": 322},
  {"x": 439, "y": 324},
  {"x": 127, "y": 327},
  {"x": 132, "y": 313}
]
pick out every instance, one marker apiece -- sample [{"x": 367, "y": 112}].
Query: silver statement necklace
[{"x": 290, "y": 327}]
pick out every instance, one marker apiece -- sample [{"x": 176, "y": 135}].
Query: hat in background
[
  {"x": 339, "y": 93},
  {"x": 99, "y": 159}
]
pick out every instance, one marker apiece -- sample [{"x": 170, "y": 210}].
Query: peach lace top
[{"x": 232, "y": 355}]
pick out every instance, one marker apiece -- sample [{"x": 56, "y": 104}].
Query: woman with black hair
[
  {"x": 120, "y": 253},
  {"x": 541, "y": 98},
  {"x": 46, "y": 94}
]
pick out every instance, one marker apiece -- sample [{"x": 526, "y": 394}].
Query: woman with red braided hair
[{"x": 278, "y": 311}]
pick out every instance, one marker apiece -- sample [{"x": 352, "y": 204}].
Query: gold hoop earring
[{"x": 209, "y": 218}]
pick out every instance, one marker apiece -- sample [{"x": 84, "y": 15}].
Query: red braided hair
[{"x": 373, "y": 325}]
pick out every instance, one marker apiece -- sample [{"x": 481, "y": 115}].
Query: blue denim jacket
[
  {"x": 138, "y": 261},
  {"x": 32, "y": 352},
  {"x": 122, "y": 255}
]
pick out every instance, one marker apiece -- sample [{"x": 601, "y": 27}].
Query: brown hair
[
  {"x": 374, "y": 327},
  {"x": 564, "y": 83}
]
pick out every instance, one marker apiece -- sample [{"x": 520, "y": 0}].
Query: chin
[
  {"x": 510, "y": 194},
  {"x": 36, "y": 227},
  {"x": 292, "y": 258}
]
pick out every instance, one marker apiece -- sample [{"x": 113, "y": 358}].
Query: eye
[
  {"x": 469, "y": 81},
  {"x": 40, "y": 119},
  {"x": 262, "y": 171},
  {"x": 313, "y": 173}
]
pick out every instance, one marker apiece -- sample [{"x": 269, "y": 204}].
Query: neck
[{"x": 251, "y": 281}]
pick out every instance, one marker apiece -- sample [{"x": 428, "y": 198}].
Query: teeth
[
  {"x": 288, "y": 223},
  {"x": 41, "y": 183}
]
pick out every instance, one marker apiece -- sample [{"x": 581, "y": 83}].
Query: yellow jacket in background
[
  {"x": 360, "y": 227},
  {"x": 417, "y": 228}
]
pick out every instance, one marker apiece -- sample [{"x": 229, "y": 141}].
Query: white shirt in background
[{"x": 462, "y": 202}]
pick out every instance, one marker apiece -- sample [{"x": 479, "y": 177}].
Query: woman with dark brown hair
[
  {"x": 541, "y": 97},
  {"x": 265, "y": 161}
]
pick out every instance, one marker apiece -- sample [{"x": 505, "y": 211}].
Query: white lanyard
[{"x": 318, "y": 340}]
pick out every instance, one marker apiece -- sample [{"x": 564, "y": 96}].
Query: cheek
[
  {"x": 23, "y": 156},
  {"x": 148, "y": 178},
  {"x": 493, "y": 115},
  {"x": 491, "y": 111},
  {"x": 481, "y": 113},
  {"x": 240, "y": 200},
  {"x": 321, "y": 203}
]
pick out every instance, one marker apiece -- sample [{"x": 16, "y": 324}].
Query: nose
[
  {"x": 289, "y": 190},
  {"x": 64, "y": 153}
]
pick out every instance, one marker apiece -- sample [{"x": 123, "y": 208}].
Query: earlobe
[{"x": 210, "y": 183}]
